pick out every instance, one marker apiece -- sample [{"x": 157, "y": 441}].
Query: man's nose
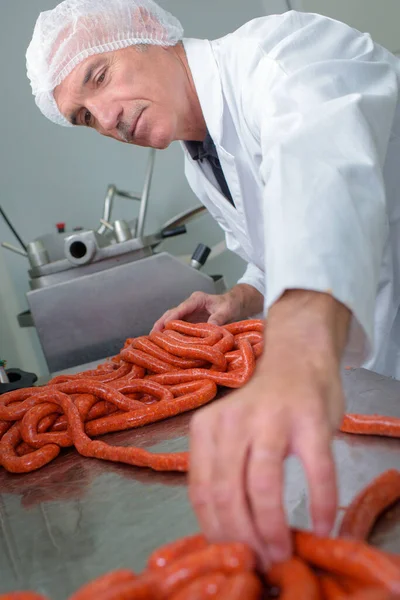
[{"x": 106, "y": 114}]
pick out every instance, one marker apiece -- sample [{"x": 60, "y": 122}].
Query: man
[{"x": 290, "y": 129}]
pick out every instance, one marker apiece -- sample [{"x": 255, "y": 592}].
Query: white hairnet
[{"x": 76, "y": 29}]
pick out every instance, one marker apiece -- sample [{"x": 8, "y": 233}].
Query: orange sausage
[
  {"x": 243, "y": 586},
  {"x": 371, "y": 425},
  {"x": 244, "y": 326},
  {"x": 206, "y": 586},
  {"x": 167, "y": 554},
  {"x": 102, "y": 584},
  {"x": 295, "y": 580},
  {"x": 366, "y": 507},
  {"x": 232, "y": 379},
  {"x": 350, "y": 558},
  {"x": 226, "y": 558},
  {"x": 199, "y": 352}
]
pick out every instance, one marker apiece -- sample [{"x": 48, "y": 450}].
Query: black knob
[
  {"x": 175, "y": 231},
  {"x": 17, "y": 379},
  {"x": 200, "y": 256}
]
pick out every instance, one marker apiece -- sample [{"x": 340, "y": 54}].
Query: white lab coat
[{"x": 304, "y": 114}]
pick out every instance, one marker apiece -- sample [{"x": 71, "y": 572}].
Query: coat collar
[{"x": 207, "y": 82}]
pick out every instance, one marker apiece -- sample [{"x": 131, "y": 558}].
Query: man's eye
[
  {"x": 101, "y": 78},
  {"x": 87, "y": 118}
]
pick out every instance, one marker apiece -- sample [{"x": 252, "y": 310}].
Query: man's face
[{"x": 132, "y": 95}]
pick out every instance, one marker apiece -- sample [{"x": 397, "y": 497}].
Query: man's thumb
[{"x": 218, "y": 318}]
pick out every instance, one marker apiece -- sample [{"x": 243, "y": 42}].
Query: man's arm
[{"x": 292, "y": 405}]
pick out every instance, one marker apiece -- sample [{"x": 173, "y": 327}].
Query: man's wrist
[
  {"x": 248, "y": 299},
  {"x": 311, "y": 320}
]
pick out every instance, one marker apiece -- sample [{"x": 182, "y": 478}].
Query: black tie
[{"x": 207, "y": 150}]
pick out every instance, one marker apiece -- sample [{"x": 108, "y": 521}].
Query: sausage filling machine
[{"x": 92, "y": 289}]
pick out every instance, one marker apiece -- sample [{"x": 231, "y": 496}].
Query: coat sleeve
[
  {"x": 323, "y": 120},
  {"x": 255, "y": 277}
]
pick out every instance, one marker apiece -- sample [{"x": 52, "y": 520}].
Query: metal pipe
[
  {"x": 7, "y": 220},
  {"x": 145, "y": 194},
  {"x": 107, "y": 224},
  {"x": 108, "y": 204},
  {"x": 129, "y": 195},
  {"x": 14, "y": 249}
]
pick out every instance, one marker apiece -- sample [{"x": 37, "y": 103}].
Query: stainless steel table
[{"x": 77, "y": 518}]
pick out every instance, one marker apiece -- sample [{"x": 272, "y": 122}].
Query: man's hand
[
  {"x": 240, "y": 302},
  {"x": 292, "y": 405}
]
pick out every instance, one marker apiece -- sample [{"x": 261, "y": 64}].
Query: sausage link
[
  {"x": 205, "y": 353},
  {"x": 206, "y": 586},
  {"x": 147, "y": 361},
  {"x": 245, "y": 326},
  {"x": 258, "y": 349},
  {"x": 141, "y": 588},
  {"x": 28, "y": 462},
  {"x": 224, "y": 344},
  {"x": 331, "y": 588},
  {"x": 254, "y": 337},
  {"x": 13, "y": 405},
  {"x": 30, "y": 422},
  {"x": 91, "y": 590},
  {"x": 372, "y": 594},
  {"x": 295, "y": 580},
  {"x": 211, "y": 334},
  {"x": 103, "y": 408},
  {"x": 370, "y": 425},
  {"x": 167, "y": 554},
  {"x": 232, "y": 379},
  {"x": 96, "y": 449},
  {"x": 4, "y": 427},
  {"x": 227, "y": 558},
  {"x": 350, "y": 558},
  {"x": 244, "y": 586},
  {"x": 147, "y": 345},
  {"x": 104, "y": 392},
  {"x": 96, "y": 375},
  {"x": 366, "y": 507},
  {"x": 205, "y": 392},
  {"x": 23, "y": 448}
]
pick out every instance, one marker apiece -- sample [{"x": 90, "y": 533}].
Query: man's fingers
[
  {"x": 228, "y": 479},
  {"x": 220, "y": 317},
  {"x": 184, "y": 309},
  {"x": 202, "y": 454},
  {"x": 313, "y": 445},
  {"x": 265, "y": 487}
]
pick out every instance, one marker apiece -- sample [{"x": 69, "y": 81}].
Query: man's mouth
[{"x": 134, "y": 125}]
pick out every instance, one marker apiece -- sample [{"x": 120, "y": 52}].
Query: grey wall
[
  {"x": 380, "y": 19},
  {"x": 50, "y": 174}
]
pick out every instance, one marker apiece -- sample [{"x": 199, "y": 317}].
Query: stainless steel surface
[
  {"x": 3, "y": 374},
  {"x": 146, "y": 193},
  {"x": 77, "y": 518},
  {"x": 104, "y": 258},
  {"x": 122, "y": 231},
  {"x": 37, "y": 254},
  {"x": 14, "y": 249},
  {"x": 112, "y": 191},
  {"x": 108, "y": 204},
  {"x": 195, "y": 264},
  {"x": 90, "y": 316},
  {"x": 107, "y": 224},
  {"x": 184, "y": 217},
  {"x": 81, "y": 248}
]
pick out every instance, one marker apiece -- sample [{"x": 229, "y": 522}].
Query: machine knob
[{"x": 200, "y": 256}]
